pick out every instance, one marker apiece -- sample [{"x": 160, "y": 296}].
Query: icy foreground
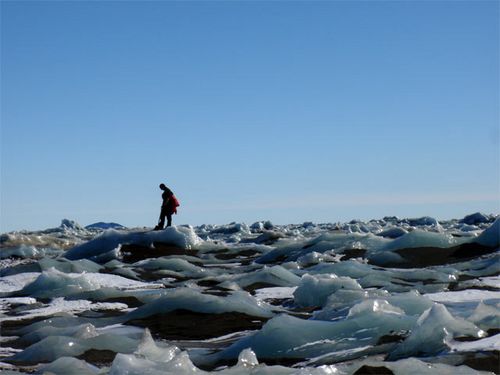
[{"x": 387, "y": 296}]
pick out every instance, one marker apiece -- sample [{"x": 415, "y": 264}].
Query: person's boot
[{"x": 158, "y": 228}]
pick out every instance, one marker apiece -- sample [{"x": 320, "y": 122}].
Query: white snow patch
[
  {"x": 274, "y": 293},
  {"x": 470, "y": 295},
  {"x": 17, "y": 282},
  {"x": 488, "y": 344},
  {"x": 493, "y": 281},
  {"x": 59, "y": 305}
]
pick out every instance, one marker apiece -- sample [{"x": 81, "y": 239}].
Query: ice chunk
[
  {"x": 314, "y": 258},
  {"x": 69, "y": 266},
  {"x": 335, "y": 241},
  {"x": 107, "y": 256},
  {"x": 491, "y": 236},
  {"x": 393, "y": 232},
  {"x": 103, "y": 226},
  {"x": 86, "y": 330},
  {"x": 314, "y": 290},
  {"x": 347, "y": 297},
  {"x": 484, "y": 266},
  {"x": 67, "y": 224},
  {"x": 421, "y": 221},
  {"x": 175, "y": 264},
  {"x": 340, "y": 302},
  {"x": 69, "y": 366},
  {"x": 288, "y": 337},
  {"x": 51, "y": 348},
  {"x": 385, "y": 257},
  {"x": 53, "y": 283},
  {"x": 350, "y": 268},
  {"x": 22, "y": 251},
  {"x": 149, "y": 350},
  {"x": 434, "y": 328},
  {"x": 420, "y": 238},
  {"x": 375, "y": 306},
  {"x": 275, "y": 275},
  {"x": 492, "y": 282},
  {"x": 231, "y": 228},
  {"x": 486, "y": 316},
  {"x": 49, "y": 239},
  {"x": 193, "y": 300},
  {"x": 247, "y": 358},
  {"x": 475, "y": 218},
  {"x": 468, "y": 228},
  {"x": 412, "y": 302},
  {"x": 132, "y": 365},
  {"x": 259, "y": 226},
  {"x": 109, "y": 240}
]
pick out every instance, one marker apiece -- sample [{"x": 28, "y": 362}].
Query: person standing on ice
[{"x": 168, "y": 207}]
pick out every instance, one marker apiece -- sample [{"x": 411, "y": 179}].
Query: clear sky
[{"x": 286, "y": 111}]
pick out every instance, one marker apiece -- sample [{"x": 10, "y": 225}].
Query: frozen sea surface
[{"x": 386, "y": 296}]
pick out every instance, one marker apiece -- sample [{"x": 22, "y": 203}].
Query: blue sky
[{"x": 291, "y": 111}]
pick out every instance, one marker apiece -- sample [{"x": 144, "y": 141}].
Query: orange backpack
[{"x": 175, "y": 203}]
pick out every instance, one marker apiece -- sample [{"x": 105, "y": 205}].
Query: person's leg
[
  {"x": 161, "y": 223},
  {"x": 169, "y": 220}
]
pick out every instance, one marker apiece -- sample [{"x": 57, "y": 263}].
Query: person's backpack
[{"x": 175, "y": 203}]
